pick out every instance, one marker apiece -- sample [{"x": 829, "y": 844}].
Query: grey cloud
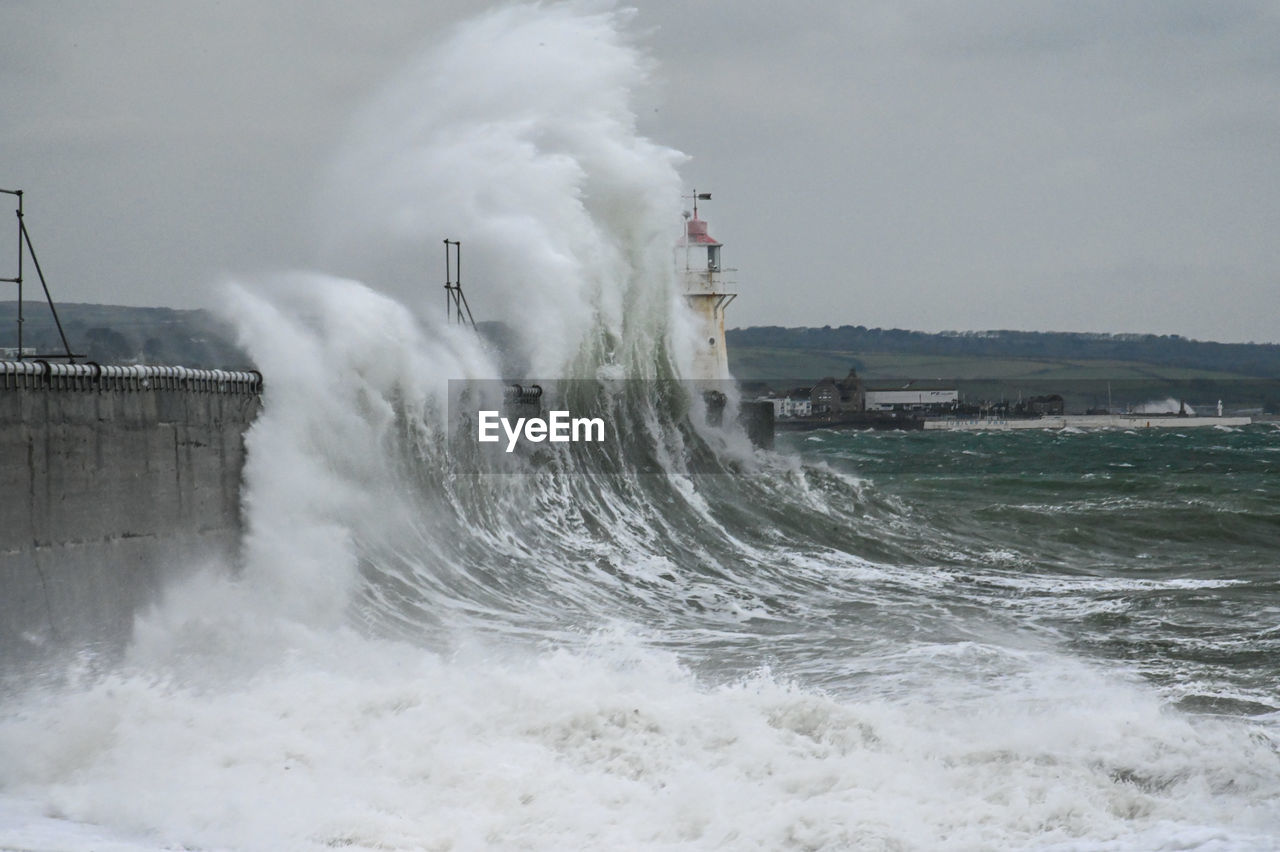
[{"x": 930, "y": 166}]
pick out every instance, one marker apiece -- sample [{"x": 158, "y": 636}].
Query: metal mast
[
  {"x": 455, "y": 301},
  {"x": 24, "y": 247}
]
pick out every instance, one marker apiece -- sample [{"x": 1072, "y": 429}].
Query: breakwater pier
[
  {"x": 115, "y": 479},
  {"x": 1084, "y": 421}
]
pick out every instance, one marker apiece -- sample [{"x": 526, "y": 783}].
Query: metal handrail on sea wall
[{"x": 38, "y": 374}]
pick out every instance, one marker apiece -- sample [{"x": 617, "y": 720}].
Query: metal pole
[
  {"x": 48, "y": 297},
  {"x": 457, "y": 280},
  {"x": 450, "y": 298},
  {"x": 462, "y": 297},
  {"x": 20, "y": 230},
  {"x": 17, "y": 280},
  {"x": 470, "y": 318},
  {"x": 455, "y": 300}
]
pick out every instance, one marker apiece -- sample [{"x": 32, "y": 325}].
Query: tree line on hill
[
  {"x": 1246, "y": 359},
  {"x": 116, "y": 334}
]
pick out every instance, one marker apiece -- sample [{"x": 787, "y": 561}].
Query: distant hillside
[
  {"x": 114, "y": 334},
  {"x": 1088, "y": 370},
  {"x": 1236, "y": 359}
]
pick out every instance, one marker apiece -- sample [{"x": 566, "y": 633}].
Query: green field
[
  {"x": 773, "y": 365},
  {"x": 1083, "y": 383}
]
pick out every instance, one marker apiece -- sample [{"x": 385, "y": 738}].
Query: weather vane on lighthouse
[{"x": 704, "y": 292}]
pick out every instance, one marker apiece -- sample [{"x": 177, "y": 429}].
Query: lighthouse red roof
[{"x": 696, "y": 231}]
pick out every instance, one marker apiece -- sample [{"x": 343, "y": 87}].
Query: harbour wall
[
  {"x": 1086, "y": 421},
  {"x": 115, "y": 481}
]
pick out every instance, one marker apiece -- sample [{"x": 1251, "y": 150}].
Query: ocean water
[
  {"x": 881, "y": 641},
  {"x": 877, "y": 641}
]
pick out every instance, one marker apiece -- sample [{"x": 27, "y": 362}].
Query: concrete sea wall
[{"x": 115, "y": 480}]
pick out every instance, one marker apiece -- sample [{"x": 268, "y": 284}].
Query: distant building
[
  {"x": 794, "y": 404},
  {"x": 1042, "y": 406},
  {"x": 920, "y": 399},
  {"x": 797, "y": 406},
  {"x": 852, "y": 395},
  {"x": 825, "y": 398},
  {"x": 830, "y": 398},
  {"x": 797, "y": 403},
  {"x": 849, "y": 400}
]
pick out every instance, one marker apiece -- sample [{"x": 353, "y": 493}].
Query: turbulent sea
[
  {"x": 879, "y": 641},
  {"x": 1028, "y": 640}
]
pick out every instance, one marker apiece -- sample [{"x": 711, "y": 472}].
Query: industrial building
[{"x": 914, "y": 398}]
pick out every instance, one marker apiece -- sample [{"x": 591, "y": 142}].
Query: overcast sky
[{"x": 1072, "y": 166}]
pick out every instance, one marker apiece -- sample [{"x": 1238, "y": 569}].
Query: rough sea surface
[{"x": 879, "y": 641}]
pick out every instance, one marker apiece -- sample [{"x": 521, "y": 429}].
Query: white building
[
  {"x": 801, "y": 407},
  {"x": 784, "y": 407},
  {"x": 910, "y": 398}
]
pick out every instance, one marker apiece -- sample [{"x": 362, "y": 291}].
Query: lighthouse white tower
[{"x": 704, "y": 291}]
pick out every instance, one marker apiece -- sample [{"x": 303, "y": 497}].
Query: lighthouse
[{"x": 704, "y": 291}]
